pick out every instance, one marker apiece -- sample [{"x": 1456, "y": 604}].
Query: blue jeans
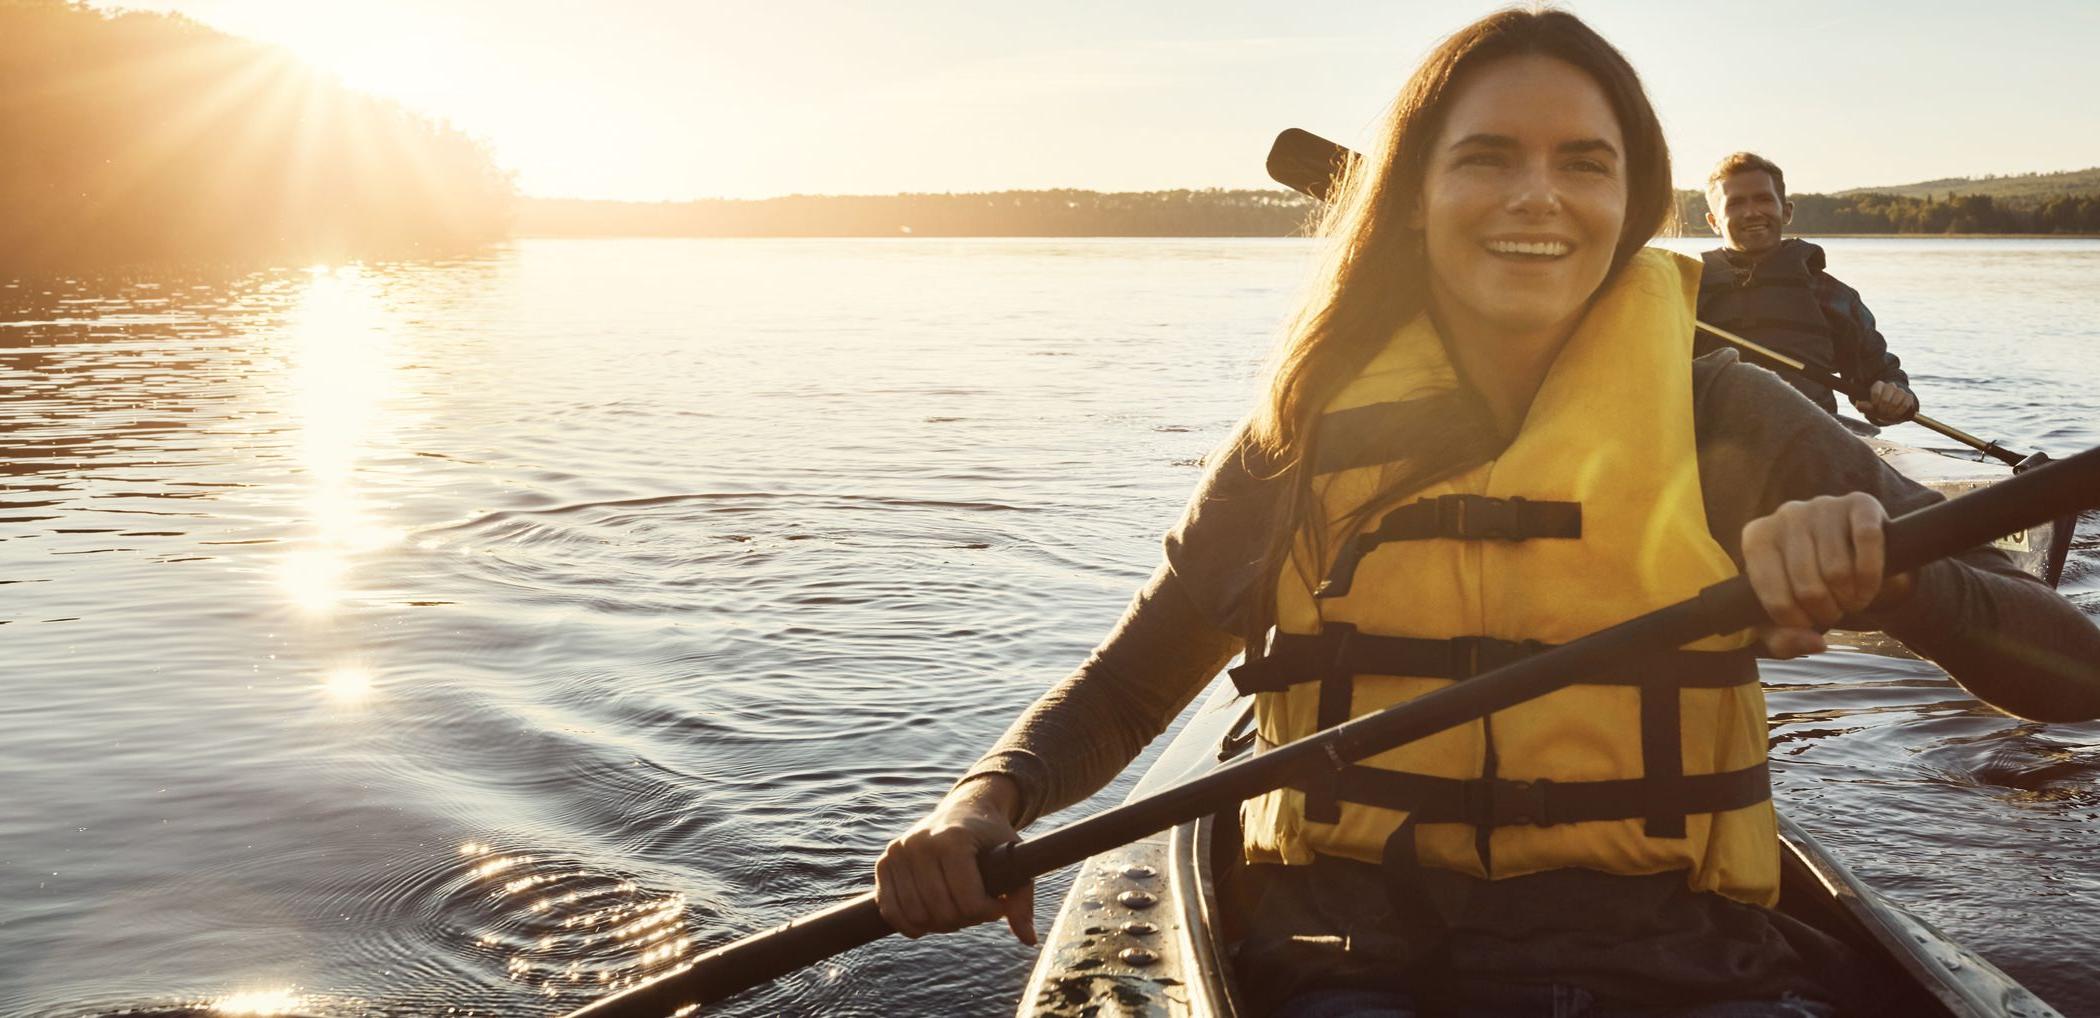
[{"x": 1554, "y": 1001}]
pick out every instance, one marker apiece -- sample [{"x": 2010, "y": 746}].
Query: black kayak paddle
[{"x": 1916, "y": 538}]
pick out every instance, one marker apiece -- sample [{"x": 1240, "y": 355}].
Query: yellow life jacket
[{"x": 1592, "y": 515}]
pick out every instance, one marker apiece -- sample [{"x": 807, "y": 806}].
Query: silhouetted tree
[{"x": 139, "y": 138}]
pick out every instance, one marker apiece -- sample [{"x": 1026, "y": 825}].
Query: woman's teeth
[{"x": 1536, "y": 249}]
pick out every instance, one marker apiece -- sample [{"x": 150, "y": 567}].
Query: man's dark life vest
[{"x": 1774, "y": 303}]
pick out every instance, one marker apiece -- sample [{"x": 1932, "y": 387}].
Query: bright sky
[{"x": 677, "y": 99}]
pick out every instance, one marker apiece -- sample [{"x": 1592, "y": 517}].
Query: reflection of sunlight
[
  {"x": 314, "y": 578},
  {"x": 343, "y": 357},
  {"x": 564, "y": 926},
  {"x": 348, "y": 684},
  {"x": 264, "y": 1002}
]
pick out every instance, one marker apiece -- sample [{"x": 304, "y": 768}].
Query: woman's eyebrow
[
  {"x": 1486, "y": 140},
  {"x": 1587, "y": 145}
]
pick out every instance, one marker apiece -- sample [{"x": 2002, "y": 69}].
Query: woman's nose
[{"x": 1532, "y": 192}]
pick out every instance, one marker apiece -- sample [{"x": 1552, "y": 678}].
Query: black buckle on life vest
[
  {"x": 1457, "y": 517},
  {"x": 1477, "y": 655},
  {"x": 1495, "y": 802},
  {"x": 1479, "y": 517}
]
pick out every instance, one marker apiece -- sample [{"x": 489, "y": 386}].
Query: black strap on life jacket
[
  {"x": 1339, "y": 653},
  {"x": 1339, "y": 650},
  {"x": 1459, "y": 518},
  {"x": 1504, "y": 802},
  {"x": 1370, "y": 435}
]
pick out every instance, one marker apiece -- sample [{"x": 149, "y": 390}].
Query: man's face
[{"x": 1746, "y": 211}]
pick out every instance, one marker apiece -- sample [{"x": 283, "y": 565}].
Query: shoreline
[{"x": 163, "y": 269}]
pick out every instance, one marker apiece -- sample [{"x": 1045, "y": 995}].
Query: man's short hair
[{"x": 1744, "y": 162}]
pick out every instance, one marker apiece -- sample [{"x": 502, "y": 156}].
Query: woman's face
[{"x": 1523, "y": 198}]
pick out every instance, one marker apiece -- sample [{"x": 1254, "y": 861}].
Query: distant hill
[
  {"x": 1061, "y": 213},
  {"x": 2022, "y": 187}
]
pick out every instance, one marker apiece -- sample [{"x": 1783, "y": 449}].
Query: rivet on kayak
[
  {"x": 1140, "y": 929},
  {"x": 1137, "y": 956},
  {"x": 1140, "y": 872},
  {"x": 1137, "y": 899}
]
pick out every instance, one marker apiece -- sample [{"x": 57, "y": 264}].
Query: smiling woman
[{"x": 1485, "y": 436}]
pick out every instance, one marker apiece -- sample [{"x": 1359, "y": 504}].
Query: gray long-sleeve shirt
[{"x": 2000, "y": 632}]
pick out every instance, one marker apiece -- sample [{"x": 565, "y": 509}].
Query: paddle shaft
[
  {"x": 1310, "y": 164},
  {"x": 1860, "y": 392},
  {"x": 1931, "y": 533}
]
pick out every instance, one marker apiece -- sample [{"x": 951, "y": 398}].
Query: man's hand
[{"x": 1887, "y": 403}]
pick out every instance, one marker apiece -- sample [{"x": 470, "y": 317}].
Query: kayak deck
[{"x": 1142, "y": 932}]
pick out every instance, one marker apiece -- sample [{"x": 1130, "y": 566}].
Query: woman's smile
[{"x": 1529, "y": 249}]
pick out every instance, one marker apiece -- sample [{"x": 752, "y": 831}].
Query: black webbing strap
[
  {"x": 1662, "y": 751},
  {"x": 1455, "y": 517},
  {"x": 1338, "y": 648},
  {"x": 1502, "y": 802},
  {"x": 1405, "y": 892},
  {"x": 1339, "y": 653},
  {"x": 1490, "y": 770},
  {"x": 1367, "y": 436},
  {"x": 1337, "y": 689}
]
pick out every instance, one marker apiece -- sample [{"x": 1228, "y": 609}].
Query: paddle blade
[{"x": 1307, "y": 163}]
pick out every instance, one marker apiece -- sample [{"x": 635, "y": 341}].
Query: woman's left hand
[{"x": 1815, "y": 562}]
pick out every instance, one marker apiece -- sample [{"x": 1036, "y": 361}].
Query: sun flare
[
  {"x": 258, "y": 1002},
  {"x": 348, "y": 685},
  {"x": 342, "y": 346}
]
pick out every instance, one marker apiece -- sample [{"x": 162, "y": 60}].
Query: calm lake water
[{"x": 456, "y": 639}]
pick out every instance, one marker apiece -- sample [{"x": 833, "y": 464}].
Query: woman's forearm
[
  {"x": 2005, "y": 637},
  {"x": 1081, "y": 733}
]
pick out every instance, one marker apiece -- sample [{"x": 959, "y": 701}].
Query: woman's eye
[
  {"x": 1481, "y": 159},
  {"x": 1589, "y": 166}
]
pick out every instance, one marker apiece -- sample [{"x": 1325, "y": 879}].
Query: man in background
[{"x": 1773, "y": 290}]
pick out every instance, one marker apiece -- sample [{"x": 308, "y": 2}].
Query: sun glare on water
[
  {"x": 343, "y": 346},
  {"x": 260, "y": 1002},
  {"x": 348, "y": 685}
]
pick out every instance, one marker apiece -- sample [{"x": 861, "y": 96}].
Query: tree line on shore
[
  {"x": 141, "y": 139},
  {"x": 1057, "y": 213},
  {"x": 1220, "y": 213}
]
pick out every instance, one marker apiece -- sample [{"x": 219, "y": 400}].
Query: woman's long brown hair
[{"x": 1375, "y": 278}]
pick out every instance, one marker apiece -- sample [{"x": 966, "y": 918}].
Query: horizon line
[{"x": 1272, "y": 186}]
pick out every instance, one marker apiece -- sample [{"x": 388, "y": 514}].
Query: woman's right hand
[{"x": 927, "y": 880}]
